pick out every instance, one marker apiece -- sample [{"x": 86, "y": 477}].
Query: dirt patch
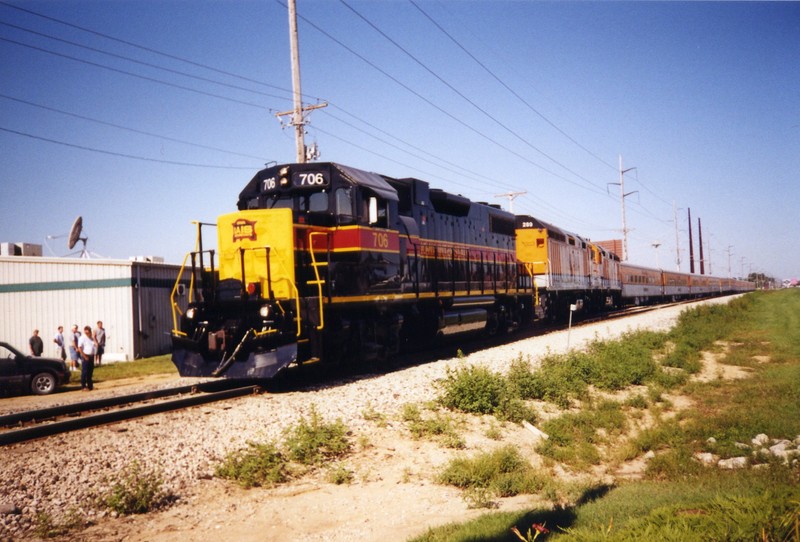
[
  {"x": 713, "y": 369},
  {"x": 393, "y": 496}
]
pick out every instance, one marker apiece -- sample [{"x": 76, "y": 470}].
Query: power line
[
  {"x": 147, "y": 64},
  {"x": 142, "y": 132},
  {"x": 426, "y": 100},
  {"x": 227, "y": 73},
  {"x": 141, "y": 47},
  {"x": 123, "y": 155},
  {"x": 508, "y": 88},
  {"x": 463, "y": 96},
  {"x": 131, "y": 74}
]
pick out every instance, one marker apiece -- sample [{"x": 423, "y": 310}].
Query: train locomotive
[{"x": 325, "y": 262}]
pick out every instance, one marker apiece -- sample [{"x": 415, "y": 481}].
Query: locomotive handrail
[
  {"x": 318, "y": 281},
  {"x": 172, "y": 302}
]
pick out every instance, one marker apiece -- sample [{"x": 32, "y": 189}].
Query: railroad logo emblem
[{"x": 244, "y": 229}]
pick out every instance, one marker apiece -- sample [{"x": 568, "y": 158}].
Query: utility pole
[
  {"x": 623, "y": 195},
  {"x": 691, "y": 246},
  {"x": 700, "y": 242},
  {"x": 511, "y": 196},
  {"x": 298, "y": 118},
  {"x": 677, "y": 239},
  {"x": 708, "y": 250},
  {"x": 729, "y": 249}
]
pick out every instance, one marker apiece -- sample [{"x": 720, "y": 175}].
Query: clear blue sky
[{"x": 142, "y": 116}]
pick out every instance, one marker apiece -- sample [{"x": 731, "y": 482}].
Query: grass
[
  {"x": 574, "y": 435},
  {"x": 132, "y": 369},
  {"x": 311, "y": 443},
  {"x": 679, "y": 499},
  {"x": 503, "y": 472}
]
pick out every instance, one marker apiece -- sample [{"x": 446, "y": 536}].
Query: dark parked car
[{"x": 40, "y": 376}]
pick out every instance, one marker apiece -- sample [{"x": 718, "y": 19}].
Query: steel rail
[
  {"x": 16, "y": 418},
  {"x": 92, "y": 420}
]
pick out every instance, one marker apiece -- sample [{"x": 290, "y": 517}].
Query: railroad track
[
  {"x": 29, "y": 425},
  {"x": 33, "y": 424}
]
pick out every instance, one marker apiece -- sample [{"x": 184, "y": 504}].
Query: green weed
[
  {"x": 137, "y": 491},
  {"x": 312, "y": 441},
  {"x": 259, "y": 465},
  {"x": 477, "y": 390},
  {"x": 503, "y": 471}
]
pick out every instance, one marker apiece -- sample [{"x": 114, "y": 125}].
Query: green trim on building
[{"x": 129, "y": 282}]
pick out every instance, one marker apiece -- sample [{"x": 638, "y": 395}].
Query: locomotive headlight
[
  {"x": 191, "y": 313},
  {"x": 284, "y": 176},
  {"x": 264, "y": 311}
]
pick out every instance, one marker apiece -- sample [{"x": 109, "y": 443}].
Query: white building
[{"x": 131, "y": 298}]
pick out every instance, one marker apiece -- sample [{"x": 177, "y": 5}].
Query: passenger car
[{"x": 40, "y": 376}]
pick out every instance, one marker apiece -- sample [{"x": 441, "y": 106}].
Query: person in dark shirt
[{"x": 36, "y": 344}]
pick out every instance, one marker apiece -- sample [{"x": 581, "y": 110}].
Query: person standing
[
  {"x": 59, "y": 340},
  {"x": 73, "y": 347},
  {"x": 100, "y": 340},
  {"x": 87, "y": 349},
  {"x": 35, "y": 343}
]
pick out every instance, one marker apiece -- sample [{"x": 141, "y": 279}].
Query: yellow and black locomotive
[{"x": 327, "y": 262}]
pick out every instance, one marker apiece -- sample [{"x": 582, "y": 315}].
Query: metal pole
[
  {"x": 297, "y": 117},
  {"x": 691, "y": 246},
  {"x": 677, "y": 239},
  {"x": 622, "y": 202}
]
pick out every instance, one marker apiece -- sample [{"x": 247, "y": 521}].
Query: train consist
[{"x": 327, "y": 262}]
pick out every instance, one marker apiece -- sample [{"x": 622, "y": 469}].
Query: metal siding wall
[
  {"x": 151, "y": 330},
  {"x": 23, "y": 311}
]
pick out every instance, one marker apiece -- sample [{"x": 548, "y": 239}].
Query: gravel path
[{"x": 63, "y": 472}]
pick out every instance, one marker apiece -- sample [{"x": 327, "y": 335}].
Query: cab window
[
  {"x": 316, "y": 202},
  {"x": 344, "y": 205},
  {"x": 376, "y": 212}
]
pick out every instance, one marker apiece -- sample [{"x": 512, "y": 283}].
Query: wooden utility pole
[{"x": 297, "y": 114}]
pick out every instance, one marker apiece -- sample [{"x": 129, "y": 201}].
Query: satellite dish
[{"x": 75, "y": 233}]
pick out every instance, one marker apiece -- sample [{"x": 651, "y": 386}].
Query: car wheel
[{"x": 43, "y": 383}]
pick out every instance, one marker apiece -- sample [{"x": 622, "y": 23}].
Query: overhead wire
[
  {"x": 425, "y": 99},
  {"x": 507, "y": 87},
  {"x": 225, "y": 72},
  {"x": 134, "y": 130},
  {"x": 139, "y": 46},
  {"x": 120, "y": 154},
  {"x": 131, "y": 74},
  {"x": 147, "y": 64},
  {"x": 466, "y": 98}
]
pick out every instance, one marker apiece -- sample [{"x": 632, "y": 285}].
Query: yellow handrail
[
  {"x": 318, "y": 281},
  {"x": 173, "y": 303}
]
